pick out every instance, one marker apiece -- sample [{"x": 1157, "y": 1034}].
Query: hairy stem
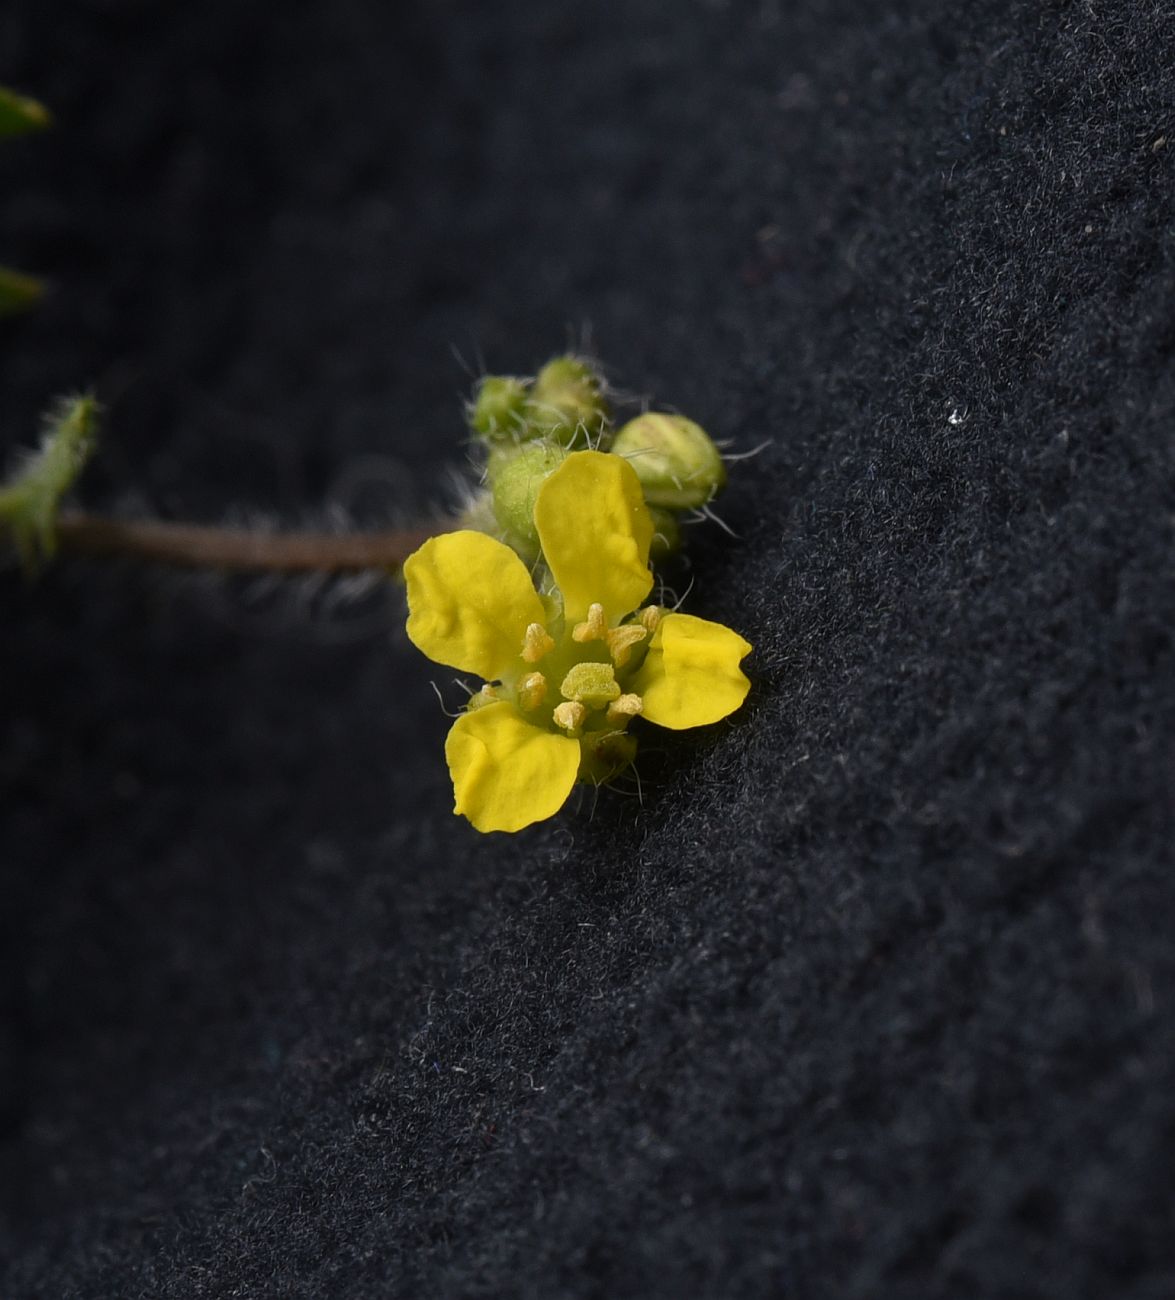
[{"x": 204, "y": 546}]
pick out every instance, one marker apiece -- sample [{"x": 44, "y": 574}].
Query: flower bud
[
  {"x": 678, "y": 465},
  {"x": 496, "y": 412},
  {"x": 515, "y": 474},
  {"x": 567, "y": 403}
]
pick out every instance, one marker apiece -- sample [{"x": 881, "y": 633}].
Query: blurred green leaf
[
  {"x": 18, "y": 292},
  {"x": 31, "y": 498},
  {"x": 19, "y": 114}
]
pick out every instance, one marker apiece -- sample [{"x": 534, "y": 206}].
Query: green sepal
[
  {"x": 666, "y": 534},
  {"x": 31, "y": 498},
  {"x": 604, "y": 755},
  {"x": 20, "y": 115}
]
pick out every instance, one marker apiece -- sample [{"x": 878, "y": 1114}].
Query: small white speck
[{"x": 956, "y": 416}]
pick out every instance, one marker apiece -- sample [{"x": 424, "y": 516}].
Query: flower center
[{"x": 592, "y": 702}]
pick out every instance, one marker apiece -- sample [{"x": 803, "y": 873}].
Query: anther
[
  {"x": 479, "y": 699},
  {"x": 596, "y": 627},
  {"x": 627, "y": 706},
  {"x": 622, "y": 639},
  {"x": 569, "y": 715},
  {"x": 650, "y": 617},
  {"x": 536, "y": 642},
  {"x": 532, "y": 690}
]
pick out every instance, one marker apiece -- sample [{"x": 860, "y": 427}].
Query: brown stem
[{"x": 202, "y": 546}]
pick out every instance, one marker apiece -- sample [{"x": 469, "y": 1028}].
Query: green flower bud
[
  {"x": 567, "y": 404},
  {"x": 515, "y": 474},
  {"x": 678, "y": 465},
  {"x": 497, "y": 410}
]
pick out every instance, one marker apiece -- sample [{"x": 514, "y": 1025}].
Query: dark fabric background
[{"x": 873, "y": 997}]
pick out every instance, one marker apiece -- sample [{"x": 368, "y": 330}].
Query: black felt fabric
[{"x": 872, "y": 997}]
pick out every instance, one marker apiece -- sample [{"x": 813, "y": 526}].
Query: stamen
[
  {"x": 532, "y": 691},
  {"x": 592, "y": 684},
  {"x": 569, "y": 715},
  {"x": 626, "y": 707},
  {"x": 596, "y": 627},
  {"x": 536, "y": 643},
  {"x": 479, "y": 699},
  {"x": 650, "y": 617},
  {"x": 622, "y": 639}
]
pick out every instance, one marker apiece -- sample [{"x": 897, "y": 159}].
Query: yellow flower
[{"x": 568, "y": 668}]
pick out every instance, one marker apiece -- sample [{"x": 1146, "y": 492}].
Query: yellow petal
[
  {"x": 595, "y": 531},
  {"x": 691, "y": 675},
  {"x": 507, "y": 773},
  {"x": 470, "y": 601}
]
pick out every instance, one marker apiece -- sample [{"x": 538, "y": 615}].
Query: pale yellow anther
[
  {"x": 536, "y": 642},
  {"x": 622, "y": 639},
  {"x": 592, "y": 684},
  {"x": 532, "y": 691},
  {"x": 479, "y": 699},
  {"x": 627, "y": 706},
  {"x": 650, "y": 616},
  {"x": 596, "y": 627},
  {"x": 569, "y": 715}
]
